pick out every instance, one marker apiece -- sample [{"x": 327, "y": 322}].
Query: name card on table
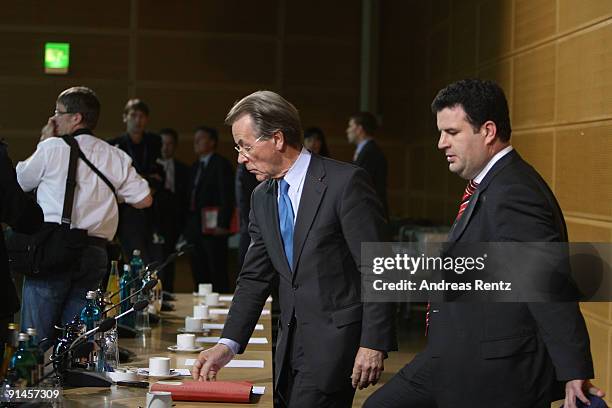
[
  {"x": 226, "y": 311},
  {"x": 229, "y": 298},
  {"x": 219, "y": 326},
  {"x": 213, "y": 339}
]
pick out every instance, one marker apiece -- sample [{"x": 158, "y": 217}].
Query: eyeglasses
[
  {"x": 244, "y": 150},
  {"x": 59, "y": 113}
]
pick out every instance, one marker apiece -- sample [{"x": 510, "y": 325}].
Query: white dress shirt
[
  {"x": 94, "y": 208},
  {"x": 491, "y": 163}
]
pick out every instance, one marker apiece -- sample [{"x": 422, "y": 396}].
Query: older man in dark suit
[
  {"x": 506, "y": 355},
  {"x": 307, "y": 223}
]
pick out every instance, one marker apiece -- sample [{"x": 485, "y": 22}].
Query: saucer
[
  {"x": 184, "y": 330},
  {"x": 193, "y": 350},
  {"x": 145, "y": 372}
]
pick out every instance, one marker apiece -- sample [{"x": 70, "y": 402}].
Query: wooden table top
[{"x": 156, "y": 343}]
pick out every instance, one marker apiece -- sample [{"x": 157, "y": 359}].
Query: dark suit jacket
[
  {"x": 215, "y": 189},
  {"x": 245, "y": 184},
  {"x": 373, "y": 160},
  {"x": 23, "y": 214},
  {"x": 174, "y": 207},
  {"x": 338, "y": 211},
  {"x": 508, "y": 353}
]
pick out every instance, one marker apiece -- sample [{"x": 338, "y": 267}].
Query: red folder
[{"x": 207, "y": 391}]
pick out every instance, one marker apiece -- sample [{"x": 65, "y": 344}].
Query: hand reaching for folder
[{"x": 210, "y": 361}]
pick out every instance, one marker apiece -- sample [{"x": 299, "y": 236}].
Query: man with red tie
[{"x": 503, "y": 355}]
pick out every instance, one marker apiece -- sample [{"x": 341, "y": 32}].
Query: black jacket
[
  {"x": 373, "y": 160},
  {"x": 23, "y": 214},
  {"x": 508, "y": 354}
]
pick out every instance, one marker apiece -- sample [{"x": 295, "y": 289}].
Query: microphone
[
  {"x": 104, "y": 326},
  {"x": 145, "y": 288}
]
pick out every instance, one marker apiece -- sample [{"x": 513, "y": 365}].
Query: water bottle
[
  {"x": 23, "y": 362},
  {"x": 136, "y": 264},
  {"x": 37, "y": 374},
  {"x": 127, "y": 288},
  {"x": 142, "y": 316},
  {"x": 91, "y": 313}
]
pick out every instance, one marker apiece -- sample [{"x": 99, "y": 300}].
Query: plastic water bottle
[
  {"x": 23, "y": 362},
  {"x": 91, "y": 313},
  {"x": 136, "y": 264},
  {"x": 127, "y": 288}
]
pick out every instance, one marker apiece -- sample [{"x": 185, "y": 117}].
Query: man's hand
[
  {"x": 368, "y": 367},
  {"x": 49, "y": 130},
  {"x": 210, "y": 361},
  {"x": 576, "y": 389}
]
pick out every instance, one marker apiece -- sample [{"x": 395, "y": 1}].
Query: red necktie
[{"x": 470, "y": 189}]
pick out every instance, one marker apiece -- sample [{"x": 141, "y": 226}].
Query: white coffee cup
[
  {"x": 204, "y": 288},
  {"x": 159, "y": 366},
  {"x": 159, "y": 399},
  {"x": 212, "y": 299},
  {"x": 193, "y": 324},
  {"x": 185, "y": 341},
  {"x": 200, "y": 311}
]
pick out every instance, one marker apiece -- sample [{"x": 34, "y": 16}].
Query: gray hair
[{"x": 270, "y": 113}]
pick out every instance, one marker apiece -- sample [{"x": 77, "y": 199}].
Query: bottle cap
[
  {"x": 136, "y": 252},
  {"x": 91, "y": 294},
  {"x": 24, "y": 337},
  {"x": 31, "y": 331},
  {"x": 13, "y": 326},
  {"x": 114, "y": 263}
]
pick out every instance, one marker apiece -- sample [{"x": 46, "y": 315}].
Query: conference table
[{"x": 156, "y": 343}]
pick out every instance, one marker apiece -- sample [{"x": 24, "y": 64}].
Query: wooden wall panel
[
  {"x": 584, "y": 80},
  {"x": 534, "y": 82},
  {"x": 210, "y": 16},
  {"x": 340, "y": 21},
  {"x": 307, "y": 63},
  {"x": 537, "y": 148},
  {"x": 439, "y": 47},
  {"x": 535, "y": 20},
  {"x": 91, "y": 55},
  {"x": 581, "y": 232},
  {"x": 584, "y": 170},
  {"x": 494, "y": 29},
  {"x": 463, "y": 37},
  {"x": 573, "y": 14},
  {"x": 67, "y": 13},
  {"x": 206, "y": 60}
]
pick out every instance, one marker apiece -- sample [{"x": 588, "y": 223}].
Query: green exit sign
[{"x": 57, "y": 58}]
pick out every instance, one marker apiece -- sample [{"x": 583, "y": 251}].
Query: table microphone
[{"x": 145, "y": 288}]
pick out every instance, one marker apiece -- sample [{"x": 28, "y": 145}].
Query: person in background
[
  {"x": 138, "y": 229},
  {"x": 211, "y": 206},
  {"x": 314, "y": 140},
  {"x": 368, "y": 155},
  {"x": 172, "y": 200},
  {"x": 58, "y": 297}
]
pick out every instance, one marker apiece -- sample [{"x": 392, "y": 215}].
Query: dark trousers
[
  {"x": 209, "y": 262},
  {"x": 412, "y": 387},
  {"x": 297, "y": 387}
]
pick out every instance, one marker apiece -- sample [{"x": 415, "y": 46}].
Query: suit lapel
[
  {"x": 459, "y": 226},
  {"x": 271, "y": 210},
  {"x": 312, "y": 193}
]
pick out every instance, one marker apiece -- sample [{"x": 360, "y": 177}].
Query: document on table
[
  {"x": 219, "y": 326},
  {"x": 229, "y": 298},
  {"x": 213, "y": 339},
  {"x": 223, "y": 311},
  {"x": 234, "y": 363}
]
